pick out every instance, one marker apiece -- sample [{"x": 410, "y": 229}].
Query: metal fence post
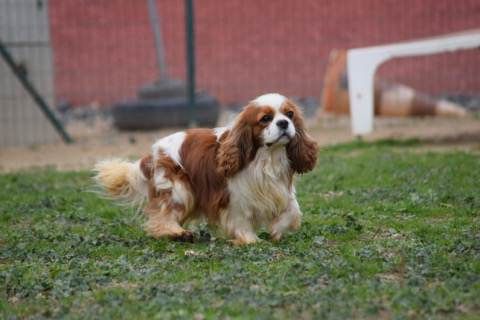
[{"x": 190, "y": 46}]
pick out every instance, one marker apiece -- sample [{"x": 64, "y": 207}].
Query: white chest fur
[{"x": 262, "y": 190}]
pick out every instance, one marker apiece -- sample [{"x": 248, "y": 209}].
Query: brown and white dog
[{"x": 239, "y": 178}]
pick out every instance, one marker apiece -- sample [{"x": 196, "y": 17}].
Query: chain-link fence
[{"x": 95, "y": 53}]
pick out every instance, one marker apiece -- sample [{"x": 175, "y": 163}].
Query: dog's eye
[
  {"x": 266, "y": 118},
  {"x": 289, "y": 114}
]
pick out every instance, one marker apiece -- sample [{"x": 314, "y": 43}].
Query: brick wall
[{"x": 103, "y": 50}]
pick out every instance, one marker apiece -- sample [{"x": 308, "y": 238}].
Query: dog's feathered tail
[{"x": 122, "y": 180}]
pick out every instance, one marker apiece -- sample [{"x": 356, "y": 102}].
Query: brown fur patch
[
  {"x": 198, "y": 153},
  {"x": 146, "y": 165},
  {"x": 173, "y": 171}
]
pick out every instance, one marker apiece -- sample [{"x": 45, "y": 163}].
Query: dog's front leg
[
  {"x": 236, "y": 223},
  {"x": 290, "y": 219}
]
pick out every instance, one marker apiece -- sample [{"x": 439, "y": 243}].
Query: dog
[{"x": 238, "y": 178}]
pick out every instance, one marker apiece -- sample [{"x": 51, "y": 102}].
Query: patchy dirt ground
[{"x": 98, "y": 140}]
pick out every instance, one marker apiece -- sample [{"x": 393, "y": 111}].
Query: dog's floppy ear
[
  {"x": 236, "y": 149},
  {"x": 302, "y": 149}
]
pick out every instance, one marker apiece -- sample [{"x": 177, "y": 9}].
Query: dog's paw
[
  {"x": 276, "y": 236},
  {"x": 244, "y": 241},
  {"x": 185, "y": 236}
]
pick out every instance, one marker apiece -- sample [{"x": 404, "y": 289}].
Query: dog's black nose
[{"x": 282, "y": 124}]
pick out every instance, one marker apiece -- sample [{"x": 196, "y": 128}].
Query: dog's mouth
[{"x": 280, "y": 137}]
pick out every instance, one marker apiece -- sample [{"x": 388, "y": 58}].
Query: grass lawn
[{"x": 390, "y": 231}]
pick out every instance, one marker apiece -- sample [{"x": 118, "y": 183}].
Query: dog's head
[{"x": 270, "y": 121}]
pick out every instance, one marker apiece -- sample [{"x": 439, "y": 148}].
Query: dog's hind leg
[
  {"x": 170, "y": 205},
  {"x": 164, "y": 220}
]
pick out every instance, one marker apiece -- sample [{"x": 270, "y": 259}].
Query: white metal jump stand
[{"x": 363, "y": 62}]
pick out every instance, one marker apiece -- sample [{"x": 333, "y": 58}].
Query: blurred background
[{"x": 86, "y": 58}]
